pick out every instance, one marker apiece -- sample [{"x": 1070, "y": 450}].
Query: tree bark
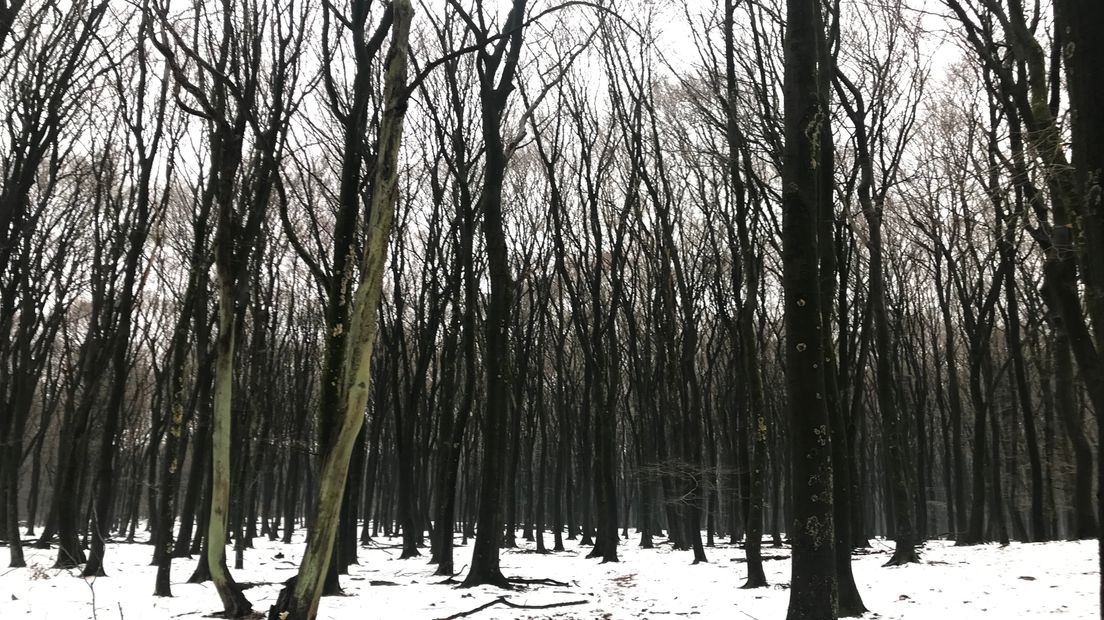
[{"x": 813, "y": 589}]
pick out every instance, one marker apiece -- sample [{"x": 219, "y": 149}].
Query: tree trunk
[
  {"x": 813, "y": 592},
  {"x": 307, "y": 588}
]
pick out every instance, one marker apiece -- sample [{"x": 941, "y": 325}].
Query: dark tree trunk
[
  {"x": 494, "y": 92},
  {"x": 1084, "y": 514},
  {"x": 813, "y": 590}
]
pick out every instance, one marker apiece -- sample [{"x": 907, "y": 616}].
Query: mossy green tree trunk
[
  {"x": 362, "y": 329},
  {"x": 234, "y": 602},
  {"x": 225, "y": 93}
]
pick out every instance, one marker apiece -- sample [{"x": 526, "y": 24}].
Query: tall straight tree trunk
[
  {"x": 900, "y": 493},
  {"x": 749, "y": 340},
  {"x": 198, "y": 475},
  {"x": 849, "y": 601},
  {"x": 1084, "y": 56},
  {"x": 121, "y": 343},
  {"x": 496, "y": 73},
  {"x": 954, "y": 397},
  {"x": 485, "y": 560},
  {"x": 1084, "y": 516},
  {"x": 903, "y": 526},
  {"x": 813, "y": 590},
  {"x": 453, "y": 428},
  {"x": 1023, "y": 391},
  {"x": 975, "y": 532}
]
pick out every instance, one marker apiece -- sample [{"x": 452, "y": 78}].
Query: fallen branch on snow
[
  {"x": 540, "y": 582},
  {"x": 765, "y": 558},
  {"x": 503, "y": 601}
]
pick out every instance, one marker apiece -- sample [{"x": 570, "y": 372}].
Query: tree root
[
  {"x": 452, "y": 577},
  {"x": 903, "y": 557},
  {"x": 503, "y": 601}
]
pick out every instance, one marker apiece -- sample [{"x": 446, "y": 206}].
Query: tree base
[
  {"x": 850, "y": 602},
  {"x": 331, "y": 586},
  {"x": 605, "y": 549},
  {"x": 759, "y": 581},
  {"x": 283, "y": 601},
  {"x": 851, "y": 610},
  {"x": 66, "y": 563},
  {"x": 202, "y": 572},
  {"x": 93, "y": 570},
  {"x": 905, "y": 554},
  {"x": 756, "y": 577},
  {"x": 486, "y": 578},
  {"x": 240, "y": 607}
]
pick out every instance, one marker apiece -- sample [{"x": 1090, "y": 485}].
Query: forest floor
[{"x": 1019, "y": 581}]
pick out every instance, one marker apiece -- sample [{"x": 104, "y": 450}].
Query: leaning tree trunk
[{"x": 307, "y": 589}]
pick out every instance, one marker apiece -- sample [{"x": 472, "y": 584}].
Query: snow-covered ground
[{"x": 1020, "y": 581}]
